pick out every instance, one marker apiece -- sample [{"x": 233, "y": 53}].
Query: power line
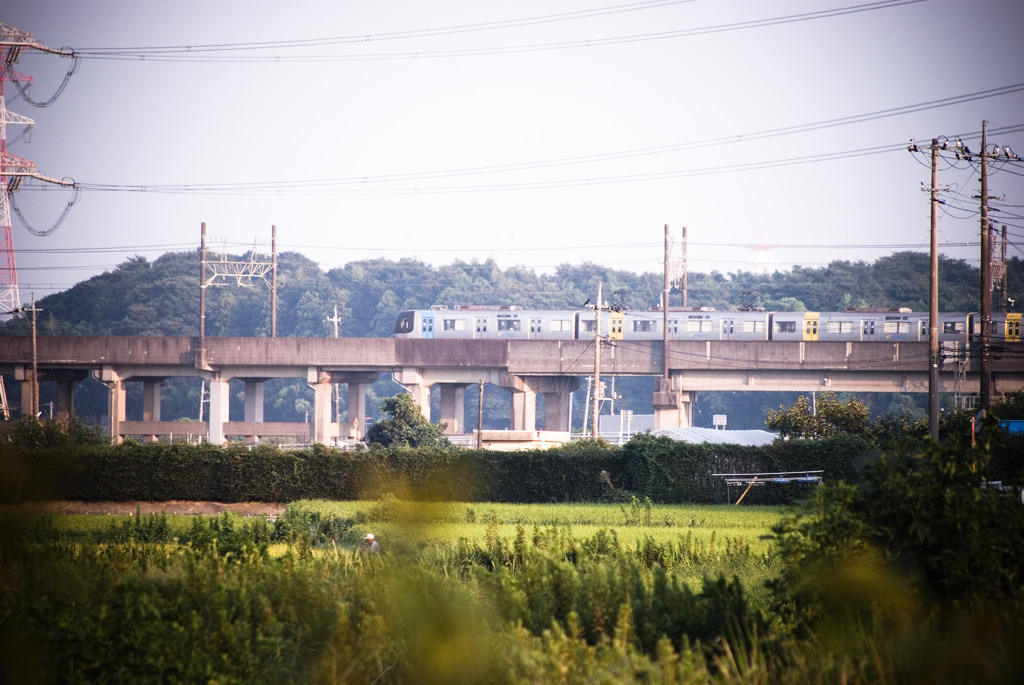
[
  {"x": 329, "y": 186},
  {"x": 201, "y": 53}
]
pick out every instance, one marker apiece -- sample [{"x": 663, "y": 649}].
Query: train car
[
  {"x": 874, "y": 325},
  {"x": 1006, "y": 327},
  {"x": 485, "y": 323}
]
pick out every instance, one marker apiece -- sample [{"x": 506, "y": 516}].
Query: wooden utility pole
[
  {"x": 597, "y": 363},
  {"x": 664, "y": 302},
  {"x": 273, "y": 282},
  {"x": 1002, "y": 283},
  {"x": 480, "y": 418},
  {"x": 202, "y": 287},
  {"x": 985, "y": 381},
  {"x": 337, "y": 387},
  {"x": 683, "y": 285},
  {"x": 35, "y": 362},
  {"x": 933, "y": 302}
]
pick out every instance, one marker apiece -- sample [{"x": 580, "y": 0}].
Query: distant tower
[
  {"x": 764, "y": 259},
  {"x": 13, "y": 169}
]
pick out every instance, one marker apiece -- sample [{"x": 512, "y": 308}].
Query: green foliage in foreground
[{"x": 914, "y": 575}]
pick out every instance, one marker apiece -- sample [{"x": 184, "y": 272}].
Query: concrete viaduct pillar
[
  {"x": 453, "y": 407},
  {"x": 357, "y": 383},
  {"x": 673, "y": 408},
  {"x": 556, "y": 391},
  {"x": 115, "y": 401},
  {"x": 151, "y": 403},
  {"x": 253, "y": 405},
  {"x": 219, "y": 404}
]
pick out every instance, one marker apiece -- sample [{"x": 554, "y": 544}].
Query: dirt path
[{"x": 173, "y": 507}]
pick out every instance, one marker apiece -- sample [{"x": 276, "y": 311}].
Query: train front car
[{"x": 406, "y": 325}]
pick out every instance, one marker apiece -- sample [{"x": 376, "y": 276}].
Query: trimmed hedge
[{"x": 659, "y": 468}]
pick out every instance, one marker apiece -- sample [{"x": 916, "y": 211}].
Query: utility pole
[
  {"x": 664, "y": 302},
  {"x": 337, "y": 388},
  {"x": 202, "y": 303},
  {"x": 273, "y": 283},
  {"x": 985, "y": 380},
  {"x": 1002, "y": 282},
  {"x": 933, "y": 301},
  {"x": 683, "y": 285},
  {"x": 480, "y": 417},
  {"x": 35, "y": 361},
  {"x": 597, "y": 363}
]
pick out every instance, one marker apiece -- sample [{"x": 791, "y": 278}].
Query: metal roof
[{"x": 749, "y": 438}]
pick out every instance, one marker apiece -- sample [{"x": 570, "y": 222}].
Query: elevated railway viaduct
[{"x": 526, "y": 368}]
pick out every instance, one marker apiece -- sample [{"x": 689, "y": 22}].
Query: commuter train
[{"x": 511, "y": 322}]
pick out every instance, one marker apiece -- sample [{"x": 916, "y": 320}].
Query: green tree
[
  {"x": 407, "y": 426},
  {"x": 829, "y": 417}
]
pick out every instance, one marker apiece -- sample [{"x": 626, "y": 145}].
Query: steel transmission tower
[{"x": 13, "y": 170}]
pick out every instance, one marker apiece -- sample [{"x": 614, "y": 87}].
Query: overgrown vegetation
[{"x": 912, "y": 575}]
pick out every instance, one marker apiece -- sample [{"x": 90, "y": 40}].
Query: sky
[{"x": 532, "y": 133}]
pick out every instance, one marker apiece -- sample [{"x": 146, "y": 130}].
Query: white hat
[{"x": 369, "y": 536}]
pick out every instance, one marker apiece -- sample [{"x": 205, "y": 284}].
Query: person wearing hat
[{"x": 370, "y": 545}]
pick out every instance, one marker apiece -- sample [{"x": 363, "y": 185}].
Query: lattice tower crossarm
[{"x": 13, "y": 169}]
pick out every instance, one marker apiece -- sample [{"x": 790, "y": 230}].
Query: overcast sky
[{"x": 535, "y": 133}]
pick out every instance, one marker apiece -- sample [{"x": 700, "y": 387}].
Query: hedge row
[{"x": 659, "y": 468}]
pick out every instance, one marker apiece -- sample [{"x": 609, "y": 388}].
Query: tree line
[{"x": 161, "y": 297}]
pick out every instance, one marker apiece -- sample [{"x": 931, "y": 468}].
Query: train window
[
  {"x": 869, "y": 328},
  {"x": 644, "y": 326},
  {"x": 588, "y": 325},
  {"x": 785, "y": 326},
  {"x": 893, "y": 326},
  {"x": 454, "y": 324},
  {"x": 509, "y": 325},
  {"x": 673, "y": 325},
  {"x": 840, "y": 327},
  {"x": 427, "y": 325},
  {"x": 698, "y": 323},
  {"x": 481, "y": 325},
  {"x": 952, "y": 326},
  {"x": 560, "y": 325},
  {"x": 727, "y": 326},
  {"x": 535, "y": 326},
  {"x": 753, "y": 327}
]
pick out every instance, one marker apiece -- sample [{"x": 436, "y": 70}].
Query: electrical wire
[
  {"x": 187, "y": 53},
  {"x": 315, "y": 186}
]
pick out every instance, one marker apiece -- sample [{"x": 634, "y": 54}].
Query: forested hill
[{"x": 161, "y": 297}]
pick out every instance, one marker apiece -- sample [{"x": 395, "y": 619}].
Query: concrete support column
[
  {"x": 66, "y": 393},
  {"x": 453, "y": 407},
  {"x": 673, "y": 408},
  {"x": 219, "y": 396},
  {"x": 254, "y": 401},
  {"x": 151, "y": 403},
  {"x": 322, "y": 405},
  {"x": 524, "y": 410},
  {"x": 421, "y": 396},
  {"x": 557, "y": 395},
  {"x": 356, "y": 410},
  {"x": 115, "y": 402},
  {"x": 253, "y": 406}
]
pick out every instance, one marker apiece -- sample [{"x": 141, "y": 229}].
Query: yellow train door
[
  {"x": 616, "y": 323},
  {"x": 810, "y": 325},
  {"x": 1013, "y": 327}
]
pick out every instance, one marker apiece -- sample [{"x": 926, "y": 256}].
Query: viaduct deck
[{"x": 521, "y": 366}]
